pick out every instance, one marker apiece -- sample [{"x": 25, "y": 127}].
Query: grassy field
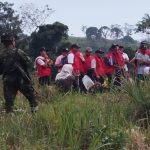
[{"x": 72, "y": 121}]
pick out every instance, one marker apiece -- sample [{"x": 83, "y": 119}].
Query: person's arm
[
  {"x": 140, "y": 60},
  {"x": 58, "y": 62},
  {"x": 41, "y": 62},
  {"x": 82, "y": 58},
  {"x": 148, "y": 61},
  {"x": 132, "y": 61},
  {"x": 143, "y": 62}
]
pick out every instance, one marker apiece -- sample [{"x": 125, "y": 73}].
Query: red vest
[
  {"x": 99, "y": 70},
  {"x": 42, "y": 71},
  {"x": 77, "y": 64},
  {"x": 148, "y": 52},
  {"x": 117, "y": 58},
  {"x": 87, "y": 63}
]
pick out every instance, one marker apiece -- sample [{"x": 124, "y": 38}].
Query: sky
[{"x": 75, "y": 13}]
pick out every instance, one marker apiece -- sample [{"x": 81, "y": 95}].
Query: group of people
[
  {"x": 86, "y": 72},
  {"x": 91, "y": 72}
]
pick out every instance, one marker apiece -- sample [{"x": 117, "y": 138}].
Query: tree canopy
[
  {"x": 48, "y": 36},
  {"x": 32, "y": 17},
  {"x": 9, "y": 21},
  {"x": 144, "y": 24}
]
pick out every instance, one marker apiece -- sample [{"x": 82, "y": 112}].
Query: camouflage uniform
[{"x": 13, "y": 66}]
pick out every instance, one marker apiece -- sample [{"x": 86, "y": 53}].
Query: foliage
[
  {"x": 91, "y": 32},
  {"x": 48, "y": 36},
  {"x": 128, "y": 29},
  {"x": 103, "y": 44},
  {"x": 73, "y": 121},
  {"x": 128, "y": 39},
  {"x": 129, "y": 51},
  {"x": 9, "y": 21},
  {"x": 69, "y": 122},
  {"x": 116, "y": 32},
  {"x": 84, "y": 28},
  {"x": 138, "y": 93},
  {"x": 33, "y": 17},
  {"x": 104, "y": 31},
  {"x": 23, "y": 42},
  {"x": 144, "y": 25}
]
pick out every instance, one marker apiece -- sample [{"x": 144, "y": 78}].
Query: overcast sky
[{"x": 76, "y": 13}]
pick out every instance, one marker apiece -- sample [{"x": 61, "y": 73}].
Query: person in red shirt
[
  {"x": 138, "y": 50},
  {"x": 42, "y": 65},
  {"x": 88, "y": 59},
  {"x": 114, "y": 60},
  {"x": 99, "y": 66},
  {"x": 76, "y": 59}
]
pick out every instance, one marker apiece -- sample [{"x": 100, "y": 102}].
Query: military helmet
[{"x": 8, "y": 37}]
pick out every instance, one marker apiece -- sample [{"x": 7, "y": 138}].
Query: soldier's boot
[
  {"x": 34, "y": 109},
  {"x": 9, "y": 105},
  {"x": 33, "y": 104},
  {"x": 9, "y": 109}
]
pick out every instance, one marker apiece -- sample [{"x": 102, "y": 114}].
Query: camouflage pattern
[{"x": 11, "y": 61}]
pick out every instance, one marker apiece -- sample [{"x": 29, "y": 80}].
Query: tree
[
  {"x": 9, "y": 21},
  {"x": 128, "y": 39},
  {"x": 116, "y": 32},
  {"x": 33, "y": 17},
  {"x": 84, "y": 28},
  {"x": 144, "y": 25},
  {"x": 128, "y": 29},
  {"x": 104, "y": 31},
  {"x": 49, "y": 36},
  {"x": 91, "y": 32}
]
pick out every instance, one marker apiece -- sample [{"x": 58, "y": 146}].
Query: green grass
[{"x": 73, "y": 122}]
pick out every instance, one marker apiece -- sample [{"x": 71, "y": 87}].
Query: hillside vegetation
[{"x": 102, "y": 43}]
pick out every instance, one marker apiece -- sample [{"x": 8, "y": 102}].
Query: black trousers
[
  {"x": 44, "y": 80},
  {"x": 78, "y": 84}
]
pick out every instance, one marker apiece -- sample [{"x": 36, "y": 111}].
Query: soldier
[{"x": 13, "y": 65}]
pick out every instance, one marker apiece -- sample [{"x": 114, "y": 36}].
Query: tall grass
[
  {"x": 139, "y": 96},
  {"x": 73, "y": 122}
]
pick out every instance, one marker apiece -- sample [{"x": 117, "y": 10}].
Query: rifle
[{"x": 23, "y": 73}]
